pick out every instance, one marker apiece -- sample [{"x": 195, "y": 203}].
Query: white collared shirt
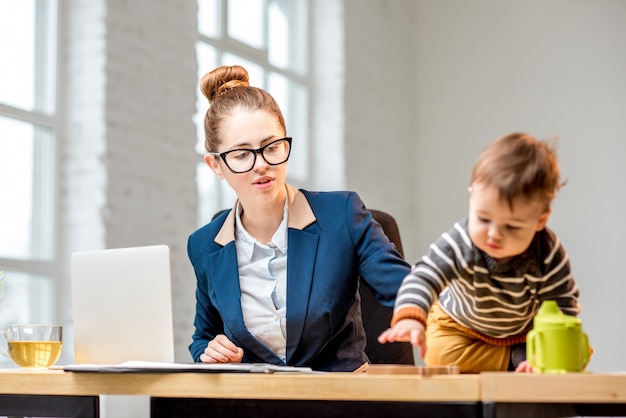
[{"x": 263, "y": 282}]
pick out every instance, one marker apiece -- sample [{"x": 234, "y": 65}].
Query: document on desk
[{"x": 161, "y": 367}]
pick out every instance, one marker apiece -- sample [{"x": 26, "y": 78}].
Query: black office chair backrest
[{"x": 377, "y": 317}]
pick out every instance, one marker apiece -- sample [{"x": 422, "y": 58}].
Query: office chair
[{"x": 377, "y": 317}]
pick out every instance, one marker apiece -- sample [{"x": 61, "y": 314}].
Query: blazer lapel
[
  {"x": 300, "y": 266},
  {"x": 225, "y": 278}
]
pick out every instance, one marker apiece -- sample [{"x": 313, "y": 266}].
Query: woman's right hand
[{"x": 221, "y": 350}]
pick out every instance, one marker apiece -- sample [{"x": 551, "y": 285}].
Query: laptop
[{"x": 122, "y": 305}]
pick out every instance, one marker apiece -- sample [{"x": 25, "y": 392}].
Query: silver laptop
[{"x": 122, "y": 305}]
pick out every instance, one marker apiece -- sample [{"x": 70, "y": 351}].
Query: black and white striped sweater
[{"x": 498, "y": 300}]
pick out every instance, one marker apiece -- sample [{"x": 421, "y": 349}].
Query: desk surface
[
  {"x": 486, "y": 387},
  {"x": 557, "y": 388},
  {"x": 326, "y": 386}
]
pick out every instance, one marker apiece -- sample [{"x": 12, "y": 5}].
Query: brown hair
[
  {"x": 227, "y": 89},
  {"x": 519, "y": 165}
]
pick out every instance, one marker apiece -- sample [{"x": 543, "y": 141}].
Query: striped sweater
[{"x": 498, "y": 300}]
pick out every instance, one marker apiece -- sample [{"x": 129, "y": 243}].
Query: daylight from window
[
  {"x": 16, "y": 89},
  {"x": 27, "y": 157}
]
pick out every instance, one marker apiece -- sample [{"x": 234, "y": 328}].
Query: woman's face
[{"x": 251, "y": 130}]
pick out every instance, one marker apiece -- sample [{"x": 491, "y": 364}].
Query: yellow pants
[{"x": 447, "y": 344}]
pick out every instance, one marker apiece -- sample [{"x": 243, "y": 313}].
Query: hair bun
[{"x": 223, "y": 79}]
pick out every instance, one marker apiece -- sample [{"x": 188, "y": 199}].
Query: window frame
[{"x": 40, "y": 263}]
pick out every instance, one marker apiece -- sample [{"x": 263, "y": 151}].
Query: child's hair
[
  {"x": 227, "y": 89},
  {"x": 519, "y": 165}
]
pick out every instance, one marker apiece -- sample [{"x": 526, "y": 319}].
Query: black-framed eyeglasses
[{"x": 242, "y": 160}]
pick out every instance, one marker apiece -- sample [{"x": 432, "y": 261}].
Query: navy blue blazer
[{"x": 332, "y": 241}]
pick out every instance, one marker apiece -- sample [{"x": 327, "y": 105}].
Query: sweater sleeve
[
  {"x": 445, "y": 260},
  {"x": 559, "y": 284}
]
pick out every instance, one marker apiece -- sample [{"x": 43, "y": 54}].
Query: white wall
[
  {"x": 557, "y": 67},
  {"x": 379, "y": 107},
  {"x": 437, "y": 80}
]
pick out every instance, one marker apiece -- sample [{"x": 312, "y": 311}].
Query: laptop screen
[{"x": 122, "y": 305}]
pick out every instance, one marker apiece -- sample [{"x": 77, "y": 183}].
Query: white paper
[{"x": 161, "y": 367}]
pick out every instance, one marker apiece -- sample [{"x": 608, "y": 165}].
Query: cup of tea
[{"x": 33, "y": 345}]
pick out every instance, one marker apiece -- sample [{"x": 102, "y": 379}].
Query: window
[
  {"x": 27, "y": 159},
  {"x": 270, "y": 39}
]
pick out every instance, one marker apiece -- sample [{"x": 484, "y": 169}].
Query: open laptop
[{"x": 122, "y": 305}]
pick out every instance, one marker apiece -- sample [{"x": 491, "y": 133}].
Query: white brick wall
[
  {"x": 129, "y": 164},
  {"x": 82, "y": 173}
]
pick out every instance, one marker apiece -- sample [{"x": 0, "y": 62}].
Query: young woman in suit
[{"x": 278, "y": 275}]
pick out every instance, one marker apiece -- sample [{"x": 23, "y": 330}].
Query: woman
[{"x": 278, "y": 275}]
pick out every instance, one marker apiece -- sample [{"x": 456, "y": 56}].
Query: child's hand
[
  {"x": 525, "y": 367},
  {"x": 406, "y": 330}
]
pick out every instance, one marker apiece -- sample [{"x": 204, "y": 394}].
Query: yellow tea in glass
[
  {"x": 33, "y": 346},
  {"x": 35, "y": 353}
]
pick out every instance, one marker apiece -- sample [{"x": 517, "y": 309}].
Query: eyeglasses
[{"x": 242, "y": 160}]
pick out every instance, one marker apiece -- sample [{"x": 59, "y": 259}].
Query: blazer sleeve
[
  {"x": 381, "y": 267},
  {"x": 207, "y": 322}
]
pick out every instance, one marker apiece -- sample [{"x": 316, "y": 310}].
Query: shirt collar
[
  {"x": 300, "y": 216},
  {"x": 247, "y": 242}
]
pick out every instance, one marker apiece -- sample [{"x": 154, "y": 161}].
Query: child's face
[{"x": 497, "y": 229}]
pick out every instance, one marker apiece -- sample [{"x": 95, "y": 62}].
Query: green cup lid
[{"x": 550, "y": 315}]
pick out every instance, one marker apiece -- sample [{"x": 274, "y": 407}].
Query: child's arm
[
  {"x": 406, "y": 330},
  {"x": 559, "y": 284}
]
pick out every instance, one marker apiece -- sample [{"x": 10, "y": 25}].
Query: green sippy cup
[{"x": 557, "y": 343}]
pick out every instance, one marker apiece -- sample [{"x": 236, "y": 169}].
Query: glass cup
[{"x": 33, "y": 346}]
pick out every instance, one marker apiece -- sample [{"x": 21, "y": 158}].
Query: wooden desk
[
  {"x": 553, "y": 395},
  {"x": 275, "y": 395},
  {"x": 65, "y": 394}
]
